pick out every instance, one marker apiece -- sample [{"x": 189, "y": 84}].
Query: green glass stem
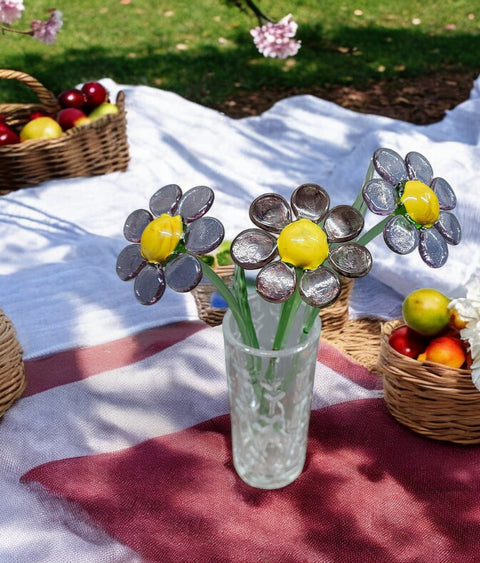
[
  {"x": 222, "y": 288},
  {"x": 359, "y": 202},
  {"x": 309, "y": 317},
  {"x": 241, "y": 295},
  {"x": 287, "y": 317},
  {"x": 373, "y": 232}
]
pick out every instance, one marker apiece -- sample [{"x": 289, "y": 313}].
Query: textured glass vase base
[
  {"x": 268, "y": 482},
  {"x": 267, "y": 468},
  {"x": 270, "y": 396}
]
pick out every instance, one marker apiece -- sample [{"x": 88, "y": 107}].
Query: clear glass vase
[{"x": 270, "y": 395}]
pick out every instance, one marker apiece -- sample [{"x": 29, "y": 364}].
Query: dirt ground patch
[{"x": 420, "y": 100}]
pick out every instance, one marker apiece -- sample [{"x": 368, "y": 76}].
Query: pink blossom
[
  {"x": 276, "y": 39},
  {"x": 47, "y": 30},
  {"x": 10, "y": 10}
]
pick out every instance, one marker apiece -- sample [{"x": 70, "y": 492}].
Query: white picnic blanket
[{"x": 59, "y": 241}]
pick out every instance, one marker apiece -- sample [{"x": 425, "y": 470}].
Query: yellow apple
[{"x": 41, "y": 128}]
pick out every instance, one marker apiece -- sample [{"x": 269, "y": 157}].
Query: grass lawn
[{"x": 202, "y": 49}]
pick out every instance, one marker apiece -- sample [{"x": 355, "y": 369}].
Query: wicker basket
[
  {"x": 432, "y": 400},
  {"x": 357, "y": 338},
  {"x": 335, "y": 316},
  {"x": 203, "y": 297},
  {"x": 12, "y": 374},
  {"x": 88, "y": 150}
]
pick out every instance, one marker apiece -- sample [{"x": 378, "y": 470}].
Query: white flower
[
  {"x": 276, "y": 39},
  {"x": 46, "y": 31},
  {"x": 469, "y": 310},
  {"x": 10, "y": 10}
]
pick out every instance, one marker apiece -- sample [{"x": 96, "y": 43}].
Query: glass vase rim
[{"x": 230, "y": 337}]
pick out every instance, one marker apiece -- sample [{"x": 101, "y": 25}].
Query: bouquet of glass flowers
[{"x": 300, "y": 248}]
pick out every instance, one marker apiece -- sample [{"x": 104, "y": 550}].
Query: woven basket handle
[{"x": 45, "y": 97}]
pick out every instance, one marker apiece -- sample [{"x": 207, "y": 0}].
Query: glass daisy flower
[
  {"x": 419, "y": 204},
  {"x": 165, "y": 241},
  {"x": 302, "y": 244}
]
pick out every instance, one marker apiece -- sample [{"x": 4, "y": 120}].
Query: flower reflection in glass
[
  {"x": 165, "y": 240},
  {"x": 419, "y": 204},
  {"x": 302, "y": 244}
]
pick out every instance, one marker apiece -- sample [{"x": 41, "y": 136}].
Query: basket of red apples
[
  {"x": 80, "y": 132},
  {"x": 425, "y": 368}
]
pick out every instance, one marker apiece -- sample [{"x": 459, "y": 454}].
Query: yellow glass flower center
[
  {"x": 421, "y": 203},
  {"x": 303, "y": 244},
  {"x": 160, "y": 237}
]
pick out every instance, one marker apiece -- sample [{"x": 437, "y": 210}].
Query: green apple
[
  {"x": 103, "y": 109},
  {"x": 426, "y": 311}
]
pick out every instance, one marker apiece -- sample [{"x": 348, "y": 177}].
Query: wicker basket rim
[
  {"x": 410, "y": 364},
  {"x": 70, "y": 133}
]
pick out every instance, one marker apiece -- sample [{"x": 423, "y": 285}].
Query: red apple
[
  {"x": 407, "y": 342},
  {"x": 71, "y": 117},
  {"x": 73, "y": 98},
  {"x": 95, "y": 94},
  {"x": 7, "y": 136},
  {"x": 37, "y": 114}
]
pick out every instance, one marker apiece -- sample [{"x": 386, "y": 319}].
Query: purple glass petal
[
  {"x": 165, "y": 200},
  {"x": 183, "y": 273},
  {"x": 380, "y": 196},
  {"x": 446, "y": 195},
  {"x": 149, "y": 285},
  {"x": 433, "y": 248},
  {"x": 343, "y": 223},
  {"x": 351, "y": 260},
  {"x": 400, "y": 235},
  {"x": 253, "y": 248},
  {"x": 135, "y": 224},
  {"x": 419, "y": 168},
  {"x": 390, "y": 166},
  {"x": 204, "y": 235},
  {"x": 130, "y": 262},
  {"x": 195, "y": 203},
  {"x": 310, "y": 201},
  {"x": 270, "y": 212},
  {"x": 449, "y": 227},
  {"x": 276, "y": 282},
  {"x": 320, "y": 287}
]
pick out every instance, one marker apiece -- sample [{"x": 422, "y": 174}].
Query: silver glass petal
[
  {"x": 380, "y": 196},
  {"x": 400, "y": 235},
  {"x": 183, "y": 273},
  {"x": 270, "y": 212},
  {"x": 433, "y": 248},
  {"x": 195, "y": 203},
  {"x": 390, "y": 166},
  {"x": 276, "y": 282},
  {"x": 165, "y": 200},
  {"x": 351, "y": 260},
  {"x": 135, "y": 224},
  {"x": 253, "y": 248},
  {"x": 419, "y": 168},
  {"x": 444, "y": 192},
  {"x": 130, "y": 262},
  {"x": 343, "y": 223},
  {"x": 204, "y": 235},
  {"x": 149, "y": 285},
  {"x": 310, "y": 201},
  {"x": 449, "y": 227},
  {"x": 320, "y": 287}
]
